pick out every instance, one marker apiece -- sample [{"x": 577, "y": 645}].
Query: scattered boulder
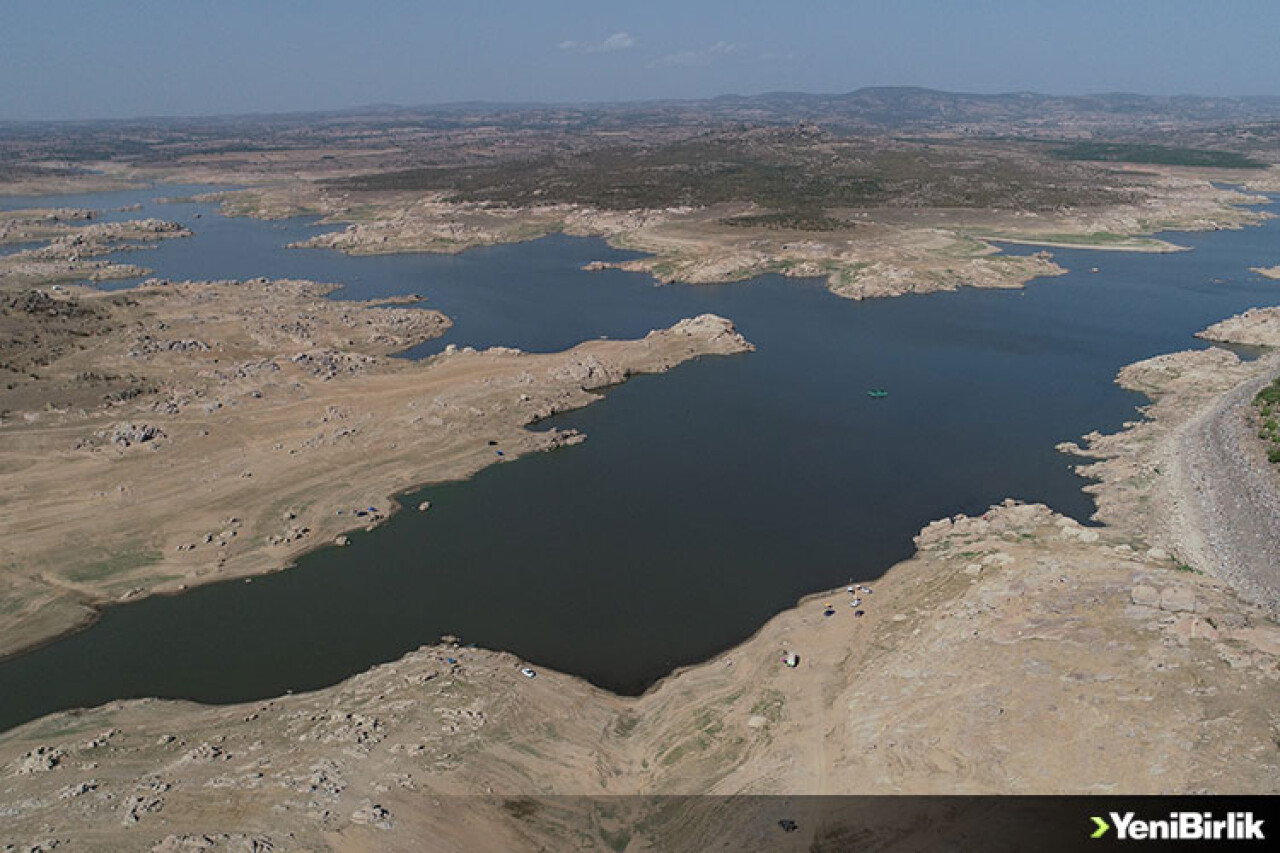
[
  {"x": 78, "y": 789},
  {"x": 1177, "y": 599},
  {"x": 1145, "y": 596},
  {"x": 42, "y": 759},
  {"x": 127, "y": 434},
  {"x": 231, "y": 842},
  {"x": 372, "y": 815}
]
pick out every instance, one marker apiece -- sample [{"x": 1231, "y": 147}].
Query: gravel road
[{"x": 1231, "y": 495}]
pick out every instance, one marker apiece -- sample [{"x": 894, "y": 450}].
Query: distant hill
[{"x": 887, "y": 108}]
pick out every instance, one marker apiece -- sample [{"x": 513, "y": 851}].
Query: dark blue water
[{"x": 704, "y": 500}]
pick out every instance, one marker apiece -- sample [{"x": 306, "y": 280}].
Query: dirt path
[{"x": 1231, "y": 495}]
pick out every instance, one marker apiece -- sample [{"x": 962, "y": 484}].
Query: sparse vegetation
[
  {"x": 123, "y": 562},
  {"x": 1156, "y": 155},
  {"x": 793, "y": 220},
  {"x": 616, "y": 840},
  {"x": 1267, "y": 403},
  {"x": 625, "y": 724},
  {"x": 521, "y": 808},
  {"x": 802, "y": 179},
  {"x": 770, "y": 705}
]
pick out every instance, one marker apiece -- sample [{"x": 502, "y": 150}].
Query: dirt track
[{"x": 1232, "y": 495}]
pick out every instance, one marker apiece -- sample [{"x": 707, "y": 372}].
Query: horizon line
[{"x": 501, "y": 105}]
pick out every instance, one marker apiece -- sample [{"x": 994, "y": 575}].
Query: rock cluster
[
  {"x": 150, "y": 346},
  {"x": 128, "y": 434},
  {"x": 42, "y": 759}
]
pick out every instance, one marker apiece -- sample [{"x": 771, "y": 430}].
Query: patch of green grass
[
  {"x": 849, "y": 274},
  {"x": 675, "y": 754},
  {"x": 663, "y": 269},
  {"x": 62, "y": 727},
  {"x": 521, "y": 808},
  {"x": 1269, "y": 396},
  {"x": 770, "y": 705},
  {"x": 1092, "y": 238},
  {"x": 617, "y": 841},
  {"x": 1266, "y": 402},
  {"x": 115, "y": 565},
  {"x": 521, "y": 746}
]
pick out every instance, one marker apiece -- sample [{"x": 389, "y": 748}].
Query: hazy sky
[{"x": 63, "y": 59}]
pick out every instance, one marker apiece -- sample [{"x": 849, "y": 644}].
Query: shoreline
[
  {"x": 281, "y": 560},
  {"x": 1108, "y": 522},
  {"x": 1177, "y": 492},
  {"x": 1153, "y": 247},
  {"x": 891, "y": 252},
  {"x": 372, "y": 734},
  {"x": 332, "y": 407},
  {"x": 997, "y": 624},
  {"x": 290, "y": 559}
]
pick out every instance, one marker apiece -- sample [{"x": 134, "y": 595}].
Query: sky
[{"x": 81, "y": 59}]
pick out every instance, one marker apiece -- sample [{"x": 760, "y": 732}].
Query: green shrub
[{"x": 1270, "y": 395}]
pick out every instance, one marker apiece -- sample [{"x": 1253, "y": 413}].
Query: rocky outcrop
[
  {"x": 1255, "y": 327},
  {"x": 70, "y": 251},
  {"x": 714, "y": 334},
  {"x": 127, "y": 434}
]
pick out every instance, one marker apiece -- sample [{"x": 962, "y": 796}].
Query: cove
[{"x": 703, "y": 502}]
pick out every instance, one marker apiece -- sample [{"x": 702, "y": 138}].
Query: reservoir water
[{"x": 704, "y": 500}]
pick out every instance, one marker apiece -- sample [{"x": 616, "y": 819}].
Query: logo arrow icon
[{"x": 1103, "y": 826}]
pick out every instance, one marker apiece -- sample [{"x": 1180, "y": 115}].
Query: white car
[{"x": 527, "y": 672}]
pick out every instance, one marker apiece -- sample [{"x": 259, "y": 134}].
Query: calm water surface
[{"x": 704, "y": 500}]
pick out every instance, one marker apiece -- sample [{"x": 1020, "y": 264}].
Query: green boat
[{"x": 877, "y": 393}]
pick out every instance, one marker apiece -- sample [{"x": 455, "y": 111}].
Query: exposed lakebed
[{"x": 704, "y": 500}]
